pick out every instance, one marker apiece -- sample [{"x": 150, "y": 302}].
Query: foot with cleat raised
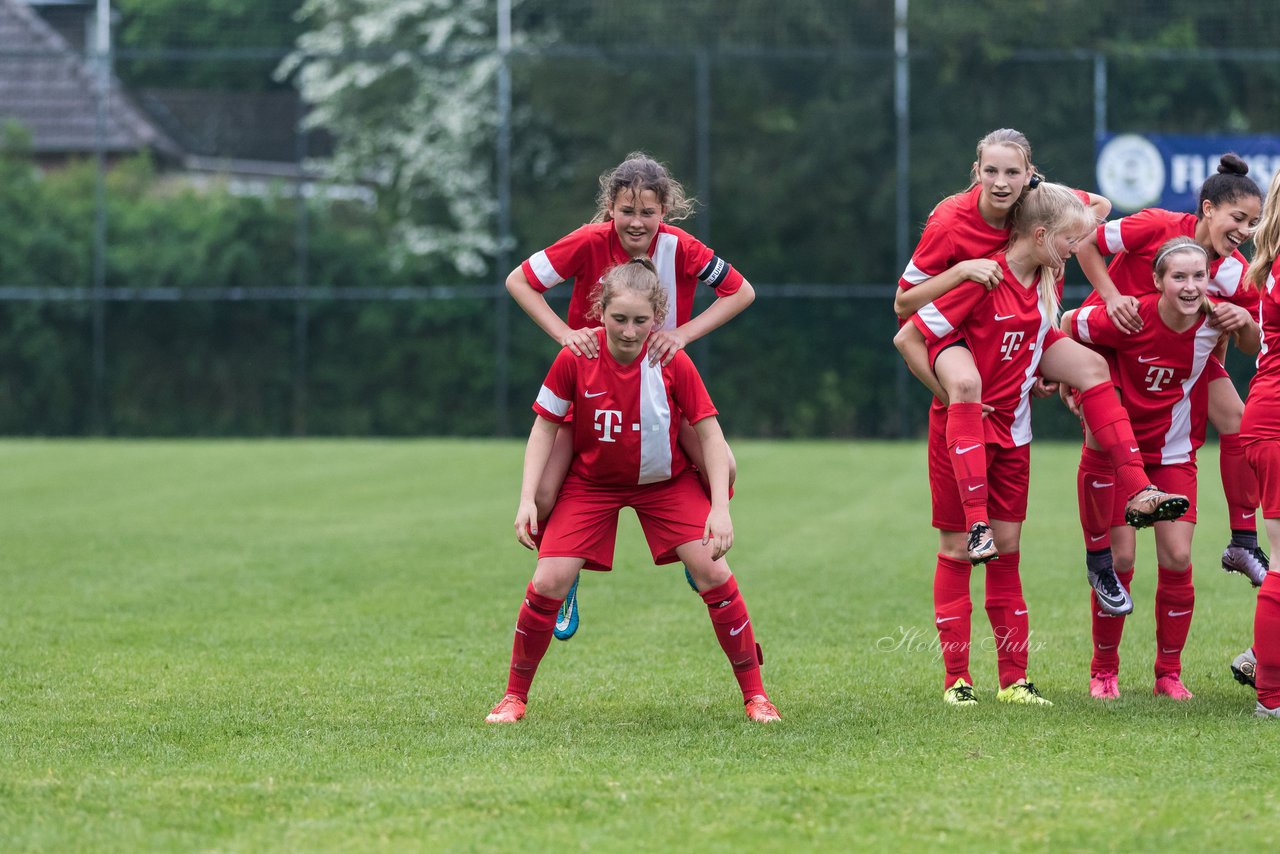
[
  {"x": 982, "y": 544},
  {"x": 1245, "y": 668},
  {"x": 567, "y": 618},
  {"x": 1171, "y": 686},
  {"x": 960, "y": 694},
  {"x": 1107, "y": 589},
  {"x": 1152, "y": 505},
  {"x": 760, "y": 710},
  {"x": 1024, "y": 693},
  {"x": 509, "y": 710},
  {"x": 1249, "y": 562}
]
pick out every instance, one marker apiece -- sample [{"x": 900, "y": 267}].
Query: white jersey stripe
[
  {"x": 1082, "y": 323},
  {"x": 1020, "y": 429},
  {"x": 547, "y": 275},
  {"x": 1111, "y": 234},
  {"x": 1226, "y": 281},
  {"x": 932, "y": 318},
  {"x": 655, "y": 424},
  {"x": 914, "y": 274},
  {"x": 548, "y": 400},
  {"x": 664, "y": 260},
  {"x": 1177, "y": 439}
]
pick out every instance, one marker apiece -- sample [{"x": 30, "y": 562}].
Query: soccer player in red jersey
[
  {"x": 636, "y": 202},
  {"x": 1229, "y": 206},
  {"x": 626, "y": 453},
  {"x": 1012, "y": 333},
  {"x": 1161, "y": 372},
  {"x": 959, "y": 238},
  {"x": 1260, "y": 432}
]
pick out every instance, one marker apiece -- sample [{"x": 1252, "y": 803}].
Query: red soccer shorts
[
  {"x": 1264, "y": 456},
  {"x": 584, "y": 523},
  {"x": 1008, "y": 477},
  {"x": 1178, "y": 477}
]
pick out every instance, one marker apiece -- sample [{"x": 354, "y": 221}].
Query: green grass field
[{"x": 247, "y": 646}]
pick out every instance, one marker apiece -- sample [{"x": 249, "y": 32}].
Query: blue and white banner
[{"x": 1150, "y": 170}]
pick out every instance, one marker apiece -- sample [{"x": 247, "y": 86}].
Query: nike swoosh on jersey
[
  {"x": 1005, "y": 316},
  {"x": 1142, "y": 360},
  {"x": 597, "y": 394}
]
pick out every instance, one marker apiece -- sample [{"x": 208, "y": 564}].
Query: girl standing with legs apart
[
  {"x": 1229, "y": 206},
  {"x": 961, "y": 235},
  {"x": 1160, "y": 372},
  {"x": 1012, "y": 333},
  {"x": 1260, "y": 431},
  {"x": 626, "y": 453},
  {"x": 636, "y": 201}
]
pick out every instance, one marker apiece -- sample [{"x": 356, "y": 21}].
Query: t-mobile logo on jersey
[
  {"x": 609, "y": 423},
  {"x": 1158, "y": 377},
  {"x": 1012, "y": 340}
]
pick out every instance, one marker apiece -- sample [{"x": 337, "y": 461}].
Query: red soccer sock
[
  {"x": 1266, "y": 641},
  {"x": 1007, "y": 611},
  {"x": 1095, "y": 490},
  {"x": 1109, "y": 424},
  {"x": 1175, "y": 602},
  {"x": 951, "y": 609},
  {"x": 1239, "y": 483},
  {"x": 966, "y": 446},
  {"x": 733, "y": 629},
  {"x": 533, "y": 634},
  {"x": 1107, "y": 630}
]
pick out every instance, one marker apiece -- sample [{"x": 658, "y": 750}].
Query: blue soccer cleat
[{"x": 567, "y": 619}]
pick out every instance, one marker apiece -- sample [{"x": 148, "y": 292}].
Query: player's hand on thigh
[
  {"x": 718, "y": 532},
  {"x": 527, "y": 524}
]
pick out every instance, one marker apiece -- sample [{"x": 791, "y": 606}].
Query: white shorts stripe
[{"x": 1082, "y": 323}]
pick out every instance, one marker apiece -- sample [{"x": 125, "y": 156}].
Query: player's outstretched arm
[
  {"x": 663, "y": 346},
  {"x": 719, "y": 527},
  {"x": 582, "y": 342},
  {"x": 536, "y": 453}
]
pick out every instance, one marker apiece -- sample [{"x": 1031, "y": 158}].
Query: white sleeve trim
[{"x": 549, "y": 401}]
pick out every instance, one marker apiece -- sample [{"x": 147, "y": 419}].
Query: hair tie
[{"x": 1036, "y": 181}]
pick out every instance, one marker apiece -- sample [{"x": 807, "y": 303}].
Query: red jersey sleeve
[
  {"x": 687, "y": 389},
  {"x": 559, "y": 261},
  {"x": 707, "y": 267},
  {"x": 1145, "y": 230},
  {"x": 1092, "y": 325},
  {"x": 556, "y": 395},
  {"x": 944, "y": 315},
  {"x": 934, "y": 254}
]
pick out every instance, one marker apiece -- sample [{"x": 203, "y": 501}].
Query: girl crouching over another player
[
  {"x": 1012, "y": 332},
  {"x": 626, "y": 453}
]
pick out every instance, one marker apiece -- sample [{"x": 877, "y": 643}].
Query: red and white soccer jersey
[
  {"x": 1135, "y": 240},
  {"x": 1262, "y": 407},
  {"x": 1161, "y": 375},
  {"x": 1007, "y": 329},
  {"x": 955, "y": 231},
  {"x": 626, "y": 417},
  {"x": 583, "y": 255}
]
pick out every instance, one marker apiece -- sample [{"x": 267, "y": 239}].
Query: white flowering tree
[{"x": 408, "y": 89}]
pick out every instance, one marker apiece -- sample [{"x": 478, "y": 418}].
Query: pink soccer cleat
[
  {"x": 1171, "y": 686},
  {"x": 1105, "y": 686},
  {"x": 509, "y": 710},
  {"x": 760, "y": 710}
]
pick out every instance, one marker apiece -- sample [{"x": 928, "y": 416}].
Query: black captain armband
[{"x": 716, "y": 271}]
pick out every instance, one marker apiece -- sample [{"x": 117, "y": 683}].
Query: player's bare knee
[{"x": 966, "y": 388}]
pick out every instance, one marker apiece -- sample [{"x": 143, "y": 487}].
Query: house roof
[{"x": 47, "y": 87}]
